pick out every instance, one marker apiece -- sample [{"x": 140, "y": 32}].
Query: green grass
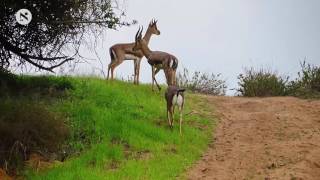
[{"x": 120, "y": 131}]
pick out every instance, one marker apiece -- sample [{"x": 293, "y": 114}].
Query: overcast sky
[{"x": 224, "y": 36}]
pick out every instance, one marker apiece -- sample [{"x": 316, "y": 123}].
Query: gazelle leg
[
  {"x": 173, "y": 107},
  {"x": 135, "y": 71},
  {"x": 113, "y": 60},
  {"x": 174, "y": 80},
  {"x": 168, "y": 76},
  {"x": 172, "y": 115},
  {"x": 153, "y": 77},
  {"x": 159, "y": 87},
  {"x": 112, "y": 71},
  {"x": 113, "y": 66},
  {"x": 138, "y": 70},
  {"x": 168, "y": 116},
  {"x": 155, "y": 73},
  {"x": 157, "y": 83},
  {"x": 116, "y": 63},
  {"x": 180, "y": 112},
  {"x": 109, "y": 67}
]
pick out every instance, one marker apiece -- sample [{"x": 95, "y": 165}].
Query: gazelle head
[
  {"x": 153, "y": 27},
  {"x": 139, "y": 41}
]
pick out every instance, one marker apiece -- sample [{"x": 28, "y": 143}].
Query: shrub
[
  {"x": 202, "y": 82},
  {"x": 7, "y": 80},
  {"x": 26, "y": 127},
  {"x": 25, "y": 124},
  {"x": 261, "y": 83},
  {"x": 11, "y": 84},
  {"x": 308, "y": 82}
]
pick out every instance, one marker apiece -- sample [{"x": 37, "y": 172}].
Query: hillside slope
[{"x": 120, "y": 131}]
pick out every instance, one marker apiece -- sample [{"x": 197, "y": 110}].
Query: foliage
[
  {"x": 11, "y": 84},
  {"x": 308, "y": 82},
  {"x": 57, "y": 28},
  {"x": 27, "y": 127},
  {"x": 26, "y": 123},
  {"x": 261, "y": 83},
  {"x": 202, "y": 82}
]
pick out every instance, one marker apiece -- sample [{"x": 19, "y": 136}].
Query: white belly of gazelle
[{"x": 130, "y": 57}]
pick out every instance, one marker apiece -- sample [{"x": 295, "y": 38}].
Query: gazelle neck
[
  {"x": 147, "y": 36},
  {"x": 146, "y": 51}
]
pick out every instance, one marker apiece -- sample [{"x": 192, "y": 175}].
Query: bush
[
  {"x": 307, "y": 84},
  {"x": 26, "y": 127},
  {"x": 7, "y": 81},
  {"x": 11, "y": 84},
  {"x": 202, "y": 82},
  {"x": 261, "y": 83}
]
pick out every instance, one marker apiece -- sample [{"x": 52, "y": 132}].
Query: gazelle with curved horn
[
  {"x": 121, "y": 52},
  {"x": 158, "y": 60},
  {"x": 174, "y": 97}
]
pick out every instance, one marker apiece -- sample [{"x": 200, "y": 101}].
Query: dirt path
[{"x": 269, "y": 138}]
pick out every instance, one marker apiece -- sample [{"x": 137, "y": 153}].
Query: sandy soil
[{"x": 263, "y": 138}]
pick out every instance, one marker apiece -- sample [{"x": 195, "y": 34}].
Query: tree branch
[{"x": 29, "y": 58}]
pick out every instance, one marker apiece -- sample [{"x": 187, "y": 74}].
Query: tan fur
[
  {"x": 121, "y": 52},
  {"x": 158, "y": 60}
]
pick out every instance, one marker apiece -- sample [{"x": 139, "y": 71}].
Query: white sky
[{"x": 223, "y": 36}]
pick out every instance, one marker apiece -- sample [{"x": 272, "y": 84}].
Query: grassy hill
[{"x": 116, "y": 130}]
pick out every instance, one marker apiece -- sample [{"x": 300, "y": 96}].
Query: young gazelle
[
  {"x": 121, "y": 52},
  {"x": 158, "y": 60},
  {"x": 174, "y": 97}
]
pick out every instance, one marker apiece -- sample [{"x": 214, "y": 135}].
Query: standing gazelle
[
  {"x": 121, "y": 52},
  {"x": 174, "y": 97},
  {"x": 158, "y": 60}
]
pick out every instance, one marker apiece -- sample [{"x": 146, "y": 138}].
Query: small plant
[
  {"x": 202, "y": 82},
  {"x": 307, "y": 84},
  {"x": 261, "y": 83}
]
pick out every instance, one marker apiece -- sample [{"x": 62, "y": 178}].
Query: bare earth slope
[{"x": 263, "y": 138}]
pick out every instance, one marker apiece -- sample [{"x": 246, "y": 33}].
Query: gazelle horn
[
  {"x": 137, "y": 34},
  {"x": 140, "y": 34}
]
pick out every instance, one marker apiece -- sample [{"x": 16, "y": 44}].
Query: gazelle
[
  {"x": 158, "y": 60},
  {"x": 121, "y": 52},
  {"x": 174, "y": 97}
]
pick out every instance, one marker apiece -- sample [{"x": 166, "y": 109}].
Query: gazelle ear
[{"x": 181, "y": 90}]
